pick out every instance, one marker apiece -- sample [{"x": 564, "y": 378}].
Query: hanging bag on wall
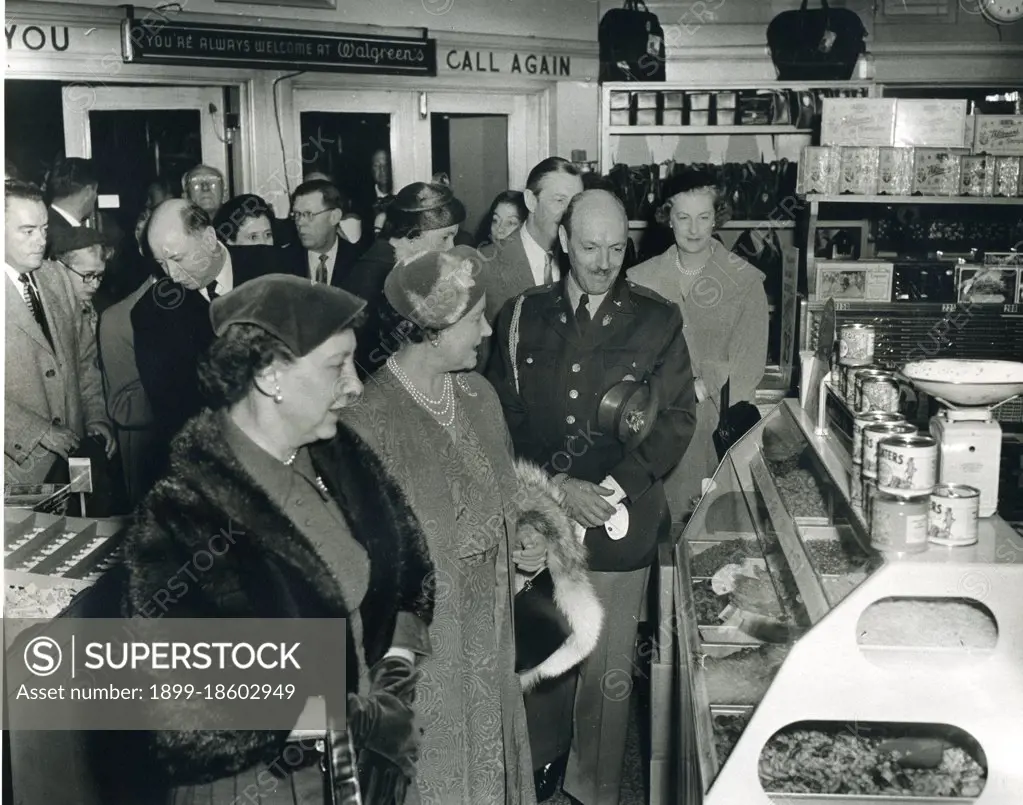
[
  {"x": 818, "y": 45},
  {"x": 631, "y": 44}
]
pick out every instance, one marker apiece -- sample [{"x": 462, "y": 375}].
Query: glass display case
[{"x": 814, "y": 668}]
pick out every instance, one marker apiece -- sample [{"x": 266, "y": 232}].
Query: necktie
[
  {"x": 211, "y": 289},
  {"x": 321, "y": 270},
  {"x": 582, "y": 312},
  {"x": 35, "y": 304},
  {"x": 548, "y": 268}
]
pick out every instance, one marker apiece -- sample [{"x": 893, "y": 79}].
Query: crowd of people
[{"x": 410, "y": 431}]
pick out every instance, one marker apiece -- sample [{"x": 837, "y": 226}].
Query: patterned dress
[{"x": 474, "y": 749}]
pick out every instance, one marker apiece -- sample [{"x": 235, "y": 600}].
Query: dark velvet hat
[
  {"x": 66, "y": 239},
  {"x": 301, "y": 314},
  {"x": 436, "y": 289}
]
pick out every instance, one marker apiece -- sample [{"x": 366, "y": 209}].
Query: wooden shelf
[
  {"x": 974, "y": 200},
  {"x": 737, "y": 224},
  {"x": 705, "y": 130},
  {"x": 923, "y": 308}
]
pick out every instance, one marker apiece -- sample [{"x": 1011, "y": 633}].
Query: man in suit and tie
[
  {"x": 73, "y": 188},
  {"x": 526, "y": 259},
  {"x": 170, "y": 322},
  {"x": 317, "y": 208},
  {"x": 54, "y": 394}
]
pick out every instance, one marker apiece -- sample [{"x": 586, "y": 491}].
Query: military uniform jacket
[{"x": 562, "y": 375}]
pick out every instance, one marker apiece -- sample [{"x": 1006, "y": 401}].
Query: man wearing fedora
[{"x": 594, "y": 378}]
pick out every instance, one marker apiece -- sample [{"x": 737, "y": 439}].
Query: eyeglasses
[
  {"x": 205, "y": 184},
  {"x": 298, "y": 217},
  {"x": 91, "y": 279}
]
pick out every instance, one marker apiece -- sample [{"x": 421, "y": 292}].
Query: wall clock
[{"x": 1002, "y": 12}]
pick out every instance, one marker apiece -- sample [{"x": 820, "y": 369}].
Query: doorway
[
  {"x": 484, "y": 143},
  {"x": 471, "y": 151}
]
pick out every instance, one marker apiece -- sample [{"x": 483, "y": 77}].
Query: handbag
[
  {"x": 631, "y": 44},
  {"x": 734, "y": 422},
  {"x": 816, "y": 45},
  {"x": 540, "y": 627}
]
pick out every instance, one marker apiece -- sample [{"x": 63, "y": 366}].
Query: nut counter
[{"x": 813, "y": 668}]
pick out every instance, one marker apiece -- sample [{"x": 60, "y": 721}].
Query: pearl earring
[{"x": 278, "y": 397}]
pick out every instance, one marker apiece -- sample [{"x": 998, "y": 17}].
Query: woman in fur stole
[
  {"x": 440, "y": 430},
  {"x": 317, "y": 530}
]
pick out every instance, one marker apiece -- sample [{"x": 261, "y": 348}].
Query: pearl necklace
[
  {"x": 689, "y": 272},
  {"x": 443, "y": 410},
  {"x": 290, "y": 460}
]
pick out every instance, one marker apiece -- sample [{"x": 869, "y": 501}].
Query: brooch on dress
[
  {"x": 607, "y": 319},
  {"x": 563, "y": 318},
  {"x": 463, "y": 384}
]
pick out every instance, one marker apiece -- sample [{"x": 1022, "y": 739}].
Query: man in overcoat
[
  {"x": 560, "y": 349},
  {"x": 54, "y": 394}
]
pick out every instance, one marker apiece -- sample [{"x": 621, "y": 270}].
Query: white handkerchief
[{"x": 617, "y": 525}]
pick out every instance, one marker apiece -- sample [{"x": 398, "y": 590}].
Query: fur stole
[{"x": 537, "y": 504}]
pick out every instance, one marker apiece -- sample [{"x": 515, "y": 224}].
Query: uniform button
[
  {"x": 18, "y": 447},
  {"x": 58, "y": 421},
  {"x": 51, "y": 373},
  {"x": 570, "y": 419},
  {"x": 298, "y": 501},
  {"x": 573, "y": 394},
  {"x": 309, "y": 522},
  {"x": 576, "y": 367}
]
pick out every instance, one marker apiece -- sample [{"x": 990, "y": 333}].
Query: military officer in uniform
[{"x": 569, "y": 357}]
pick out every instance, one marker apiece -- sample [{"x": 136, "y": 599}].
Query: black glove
[
  {"x": 382, "y": 723},
  {"x": 395, "y": 675}
]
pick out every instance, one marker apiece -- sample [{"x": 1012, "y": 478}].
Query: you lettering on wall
[{"x": 55, "y": 38}]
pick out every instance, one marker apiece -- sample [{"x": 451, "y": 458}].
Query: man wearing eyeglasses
[
  {"x": 204, "y": 186},
  {"x": 80, "y": 252},
  {"x": 317, "y": 208}
]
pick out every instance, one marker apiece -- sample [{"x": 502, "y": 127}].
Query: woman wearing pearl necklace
[
  {"x": 440, "y": 430},
  {"x": 725, "y": 315}
]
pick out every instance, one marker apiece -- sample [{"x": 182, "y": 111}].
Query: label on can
[
  {"x": 907, "y": 465},
  {"x": 849, "y": 388},
  {"x": 872, "y": 436},
  {"x": 952, "y": 517},
  {"x": 856, "y": 345},
  {"x": 860, "y": 421},
  {"x": 877, "y": 392},
  {"x": 899, "y": 524}
]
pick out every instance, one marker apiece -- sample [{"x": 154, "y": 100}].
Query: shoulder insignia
[
  {"x": 536, "y": 290},
  {"x": 647, "y": 293}
]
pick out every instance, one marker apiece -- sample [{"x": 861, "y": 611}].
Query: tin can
[
  {"x": 899, "y": 524},
  {"x": 869, "y": 492},
  {"x": 860, "y": 421},
  {"x": 856, "y": 345},
  {"x": 952, "y": 517},
  {"x": 851, "y": 373},
  {"x": 877, "y": 390},
  {"x": 872, "y": 436},
  {"x": 907, "y": 465},
  {"x": 856, "y": 492}
]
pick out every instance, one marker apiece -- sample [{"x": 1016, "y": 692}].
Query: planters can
[
  {"x": 952, "y": 517},
  {"x": 851, "y": 373},
  {"x": 872, "y": 436},
  {"x": 869, "y": 493},
  {"x": 907, "y": 465},
  {"x": 899, "y": 523},
  {"x": 860, "y": 421},
  {"x": 877, "y": 391},
  {"x": 856, "y": 345}
]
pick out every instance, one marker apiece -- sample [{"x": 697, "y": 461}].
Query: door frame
[
  {"x": 528, "y": 111},
  {"x": 399, "y": 104},
  {"x": 78, "y": 101}
]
